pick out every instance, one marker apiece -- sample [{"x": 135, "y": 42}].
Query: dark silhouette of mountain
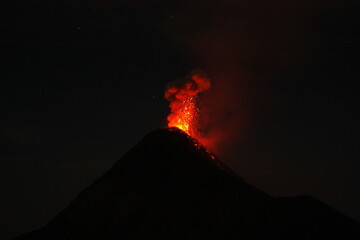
[{"x": 169, "y": 186}]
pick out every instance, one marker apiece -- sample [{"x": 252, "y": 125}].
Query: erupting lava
[{"x": 183, "y": 98}]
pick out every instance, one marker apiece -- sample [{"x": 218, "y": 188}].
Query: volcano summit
[{"x": 169, "y": 186}]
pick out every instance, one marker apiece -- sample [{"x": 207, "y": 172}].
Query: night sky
[{"x": 83, "y": 81}]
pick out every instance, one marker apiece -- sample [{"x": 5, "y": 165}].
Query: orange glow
[
  {"x": 182, "y": 94},
  {"x": 185, "y": 115}
]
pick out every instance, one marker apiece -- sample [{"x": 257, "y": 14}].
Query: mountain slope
[{"x": 169, "y": 186}]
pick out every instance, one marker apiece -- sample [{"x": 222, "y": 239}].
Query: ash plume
[{"x": 241, "y": 45}]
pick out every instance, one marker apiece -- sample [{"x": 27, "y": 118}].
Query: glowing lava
[
  {"x": 185, "y": 116},
  {"x": 183, "y": 98}
]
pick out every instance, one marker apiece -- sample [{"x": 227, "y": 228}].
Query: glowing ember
[{"x": 184, "y": 100}]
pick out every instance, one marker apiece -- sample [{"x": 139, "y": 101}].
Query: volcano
[{"x": 169, "y": 186}]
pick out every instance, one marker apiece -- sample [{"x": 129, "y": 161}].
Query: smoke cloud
[
  {"x": 191, "y": 85},
  {"x": 241, "y": 46}
]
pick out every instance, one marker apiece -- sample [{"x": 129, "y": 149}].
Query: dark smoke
[{"x": 236, "y": 42}]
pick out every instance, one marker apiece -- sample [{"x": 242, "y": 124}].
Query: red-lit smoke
[{"x": 183, "y": 97}]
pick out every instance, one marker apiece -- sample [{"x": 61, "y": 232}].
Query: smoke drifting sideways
[
  {"x": 243, "y": 46},
  {"x": 184, "y": 101}
]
